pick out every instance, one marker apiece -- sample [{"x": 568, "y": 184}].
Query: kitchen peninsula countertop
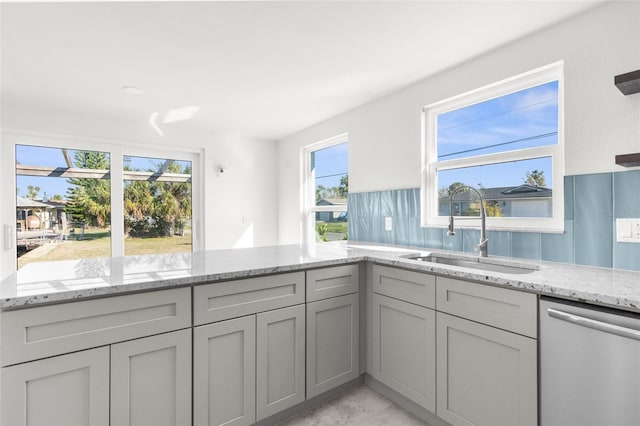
[{"x": 43, "y": 283}]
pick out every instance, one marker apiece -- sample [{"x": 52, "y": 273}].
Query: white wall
[
  {"x": 385, "y": 136},
  {"x": 239, "y": 208}
]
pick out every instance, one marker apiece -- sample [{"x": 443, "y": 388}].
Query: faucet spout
[{"x": 483, "y": 245}]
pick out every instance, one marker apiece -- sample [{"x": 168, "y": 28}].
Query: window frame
[
  {"x": 429, "y": 185},
  {"x": 307, "y": 196},
  {"x": 117, "y": 151}
]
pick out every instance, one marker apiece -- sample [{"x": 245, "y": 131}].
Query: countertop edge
[{"x": 601, "y": 286}]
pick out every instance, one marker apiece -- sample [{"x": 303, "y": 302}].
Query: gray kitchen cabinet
[
  {"x": 224, "y": 372},
  {"x": 248, "y": 368},
  {"x": 151, "y": 380},
  {"x": 413, "y": 287},
  {"x": 233, "y": 299},
  {"x": 402, "y": 348},
  {"x": 70, "y": 389},
  {"x": 486, "y": 376},
  {"x": 280, "y": 349},
  {"x": 333, "y": 340},
  {"x": 511, "y": 310},
  {"x": 67, "y": 357},
  {"x": 332, "y": 282},
  {"x": 45, "y": 331}
]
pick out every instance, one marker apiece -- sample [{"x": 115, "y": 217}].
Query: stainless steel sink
[{"x": 483, "y": 264}]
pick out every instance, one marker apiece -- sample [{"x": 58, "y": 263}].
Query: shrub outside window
[{"x": 506, "y": 140}]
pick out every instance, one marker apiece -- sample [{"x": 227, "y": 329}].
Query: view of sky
[
  {"x": 524, "y": 119},
  {"x": 53, "y": 157},
  {"x": 330, "y": 165}
]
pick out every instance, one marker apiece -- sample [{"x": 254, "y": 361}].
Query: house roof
[
  {"x": 22, "y": 202},
  {"x": 504, "y": 193},
  {"x": 331, "y": 201}
]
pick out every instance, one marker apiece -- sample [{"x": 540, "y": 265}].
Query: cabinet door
[
  {"x": 151, "y": 380},
  {"x": 333, "y": 339},
  {"x": 224, "y": 372},
  {"x": 403, "y": 354},
  {"x": 65, "y": 390},
  {"x": 280, "y": 349},
  {"x": 486, "y": 376}
]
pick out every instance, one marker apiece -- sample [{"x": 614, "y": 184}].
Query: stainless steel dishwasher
[{"x": 589, "y": 365}]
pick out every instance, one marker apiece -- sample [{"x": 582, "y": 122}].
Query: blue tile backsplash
[{"x": 592, "y": 204}]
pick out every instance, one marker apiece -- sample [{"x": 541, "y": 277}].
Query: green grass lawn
[
  {"x": 97, "y": 243},
  {"x": 337, "y": 227}
]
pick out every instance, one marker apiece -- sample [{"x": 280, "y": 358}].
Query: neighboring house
[
  {"x": 514, "y": 201},
  {"x": 338, "y": 216},
  {"x": 30, "y": 214},
  {"x": 37, "y": 214}
]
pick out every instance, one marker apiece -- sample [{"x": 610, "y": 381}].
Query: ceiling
[{"x": 258, "y": 69}]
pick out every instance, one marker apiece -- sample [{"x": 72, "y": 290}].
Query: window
[
  {"x": 157, "y": 205},
  {"x": 68, "y": 199},
  {"x": 504, "y": 140},
  {"x": 326, "y": 185}
]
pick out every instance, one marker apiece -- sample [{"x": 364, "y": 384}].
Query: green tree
[
  {"x": 455, "y": 187},
  {"x": 32, "y": 191},
  {"x": 157, "y": 208},
  {"x": 343, "y": 189},
  {"x": 535, "y": 178},
  {"x": 89, "y": 198},
  {"x": 172, "y": 203},
  {"x": 138, "y": 207}
]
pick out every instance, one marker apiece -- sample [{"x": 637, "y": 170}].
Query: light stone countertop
[{"x": 63, "y": 281}]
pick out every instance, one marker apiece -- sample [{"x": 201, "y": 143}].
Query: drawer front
[
  {"x": 510, "y": 310},
  {"x": 232, "y": 299},
  {"x": 413, "y": 287},
  {"x": 332, "y": 282},
  {"x": 33, "y": 333}
]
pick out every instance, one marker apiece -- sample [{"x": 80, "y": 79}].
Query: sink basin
[{"x": 478, "y": 263}]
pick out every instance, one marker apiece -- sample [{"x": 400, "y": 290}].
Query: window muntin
[
  {"x": 496, "y": 139},
  {"x": 327, "y": 187}
]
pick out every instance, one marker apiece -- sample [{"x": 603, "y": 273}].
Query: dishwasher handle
[{"x": 594, "y": 324}]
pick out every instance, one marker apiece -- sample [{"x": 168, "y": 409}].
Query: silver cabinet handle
[{"x": 595, "y": 324}]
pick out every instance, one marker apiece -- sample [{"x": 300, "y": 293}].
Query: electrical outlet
[
  {"x": 628, "y": 230},
  {"x": 388, "y": 223}
]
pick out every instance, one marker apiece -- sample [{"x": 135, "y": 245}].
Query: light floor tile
[{"x": 358, "y": 407}]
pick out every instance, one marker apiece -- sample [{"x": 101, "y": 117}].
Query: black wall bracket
[{"x": 628, "y": 83}]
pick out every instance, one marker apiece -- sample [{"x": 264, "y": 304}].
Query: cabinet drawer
[
  {"x": 33, "y": 333},
  {"x": 332, "y": 282},
  {"x": 231, "y": 299},
  {"x": 413, "y": 287},
  {"x": 510, "y": 310}
]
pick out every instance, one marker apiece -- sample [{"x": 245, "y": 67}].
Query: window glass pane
[
  {"x": 63, "y": 204},
  {"x": 157, "y": 205},
  {"x": 514, "y": 189},
  {"x": 329, "y": 171},
  {"x": 331, "y": 226},
  {"x": 524, "y": 119}
]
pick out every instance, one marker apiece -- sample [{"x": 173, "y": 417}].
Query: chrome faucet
[{"x": 483, "y": 246}]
